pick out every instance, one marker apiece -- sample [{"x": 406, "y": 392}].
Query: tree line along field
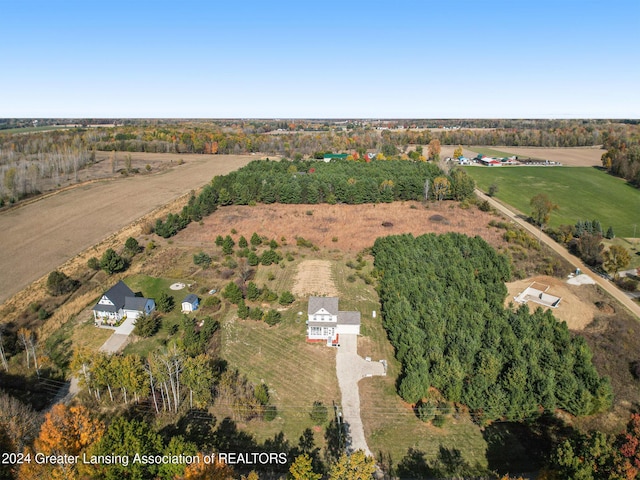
[
  {"x": 581, "y": 193},
  {"x": 245, "y": 336}
]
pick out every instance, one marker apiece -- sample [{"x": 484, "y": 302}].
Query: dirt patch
[
  {"x": 571, "y": 156},
  {"x": 39, "y": 236},
  {"x": 572, "y": 309},
  {"x": 314, "y": 277},
  {"x": 343, "y": 227}
]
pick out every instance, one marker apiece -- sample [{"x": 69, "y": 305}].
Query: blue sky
[{"x": 320, "y": 59}]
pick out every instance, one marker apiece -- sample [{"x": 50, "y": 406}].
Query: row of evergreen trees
[
  {"x": 308, "y": 182},
  {"x": 442, "y": 301}
]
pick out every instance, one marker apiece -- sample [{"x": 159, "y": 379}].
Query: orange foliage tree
[
  {"x": 214, "y": 470},
  {"x": 65, "y": 431}
]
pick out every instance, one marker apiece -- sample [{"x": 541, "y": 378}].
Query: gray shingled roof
[
  {"x": 191, "y": 298},
  {"x": 330, "y": 304},
  {"x": 117, "y": 294},
  {"x": 348, "y": 318},
  {"x": 135, "y": 303}
]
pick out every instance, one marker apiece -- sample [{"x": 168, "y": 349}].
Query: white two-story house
[
  {"x": 120, "y": 302},
  {"x": 326, "y": 323}
]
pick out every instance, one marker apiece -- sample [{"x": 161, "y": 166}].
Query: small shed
[{"x": 190, "y": 303}]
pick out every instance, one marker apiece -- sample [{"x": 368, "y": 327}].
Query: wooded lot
[{"x": 442, "y": 302}]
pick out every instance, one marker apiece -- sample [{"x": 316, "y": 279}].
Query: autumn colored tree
[
  {"x": 65, "y": 431},
  {"x": 457, "y": 153},
  {"x": 302, "y": 469},
  {"x": 541, "y": 208},
  {"x": 616, "y": 258},
  {"x": 630, "y": 447},
  {"x": 215, "y": 470},
  {"x": 357, "y": 466},
  {"x": 68, "y": 430},
  {"x": 441, "y": 187},
  {"x": 434, "y": 149}
]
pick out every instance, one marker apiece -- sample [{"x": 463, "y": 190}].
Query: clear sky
[{"x": 320, "y": 59}]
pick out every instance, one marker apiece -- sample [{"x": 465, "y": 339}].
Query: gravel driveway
[{"x": 350, "y": 369}]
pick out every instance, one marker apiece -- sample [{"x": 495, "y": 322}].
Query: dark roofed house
[
  {"x": 325, "y": 322},
  {"x": 120, "y": 302}
]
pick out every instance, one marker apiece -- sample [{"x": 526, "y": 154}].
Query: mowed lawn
[{"x": 582, "y": 193}]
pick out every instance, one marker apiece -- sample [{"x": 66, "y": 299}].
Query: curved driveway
[{"x": 609, "y": 287}]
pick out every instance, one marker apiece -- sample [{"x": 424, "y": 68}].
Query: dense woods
[
  {"x": 442, "y": 301},
  {"x": 309, "y": 182},
  {"x": 623, "y": 156}
]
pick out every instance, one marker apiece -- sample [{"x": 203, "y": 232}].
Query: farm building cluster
[{"x": 487, "y": 161}]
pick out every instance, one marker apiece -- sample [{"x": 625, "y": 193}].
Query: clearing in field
[
  {"x": 581, "y": 194},
  {"x": 573, "y": 309},
  {"x": 314, "y": 277},
  {"x": 348, "y": 228}
]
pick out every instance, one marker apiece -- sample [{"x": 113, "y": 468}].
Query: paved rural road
[
  {"x": 350, "y": 369},
  {"x": 609, "y": 287},
  {"x": 38, "y": 237}
]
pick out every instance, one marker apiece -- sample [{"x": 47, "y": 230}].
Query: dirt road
[
  {"x": 39, "y": 236},
  {"x": 520, "y": 218}
]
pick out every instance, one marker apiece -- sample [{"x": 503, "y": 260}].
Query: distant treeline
[
  {"x": 623, "y": 156},
  {"x": 443, "y": 307},
  {"x": 312, "y": 182}
]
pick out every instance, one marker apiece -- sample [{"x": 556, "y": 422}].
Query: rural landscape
[{"x": 170, "y": 293}]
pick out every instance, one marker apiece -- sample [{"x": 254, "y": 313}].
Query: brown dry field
[
  {"x": 314, "y": 278},
  {"x": 572, "y": 309},
  {"x": 38, "y": 236},
  {"x": 570, "y": 156},
  {"x": 354, "y": 226}
]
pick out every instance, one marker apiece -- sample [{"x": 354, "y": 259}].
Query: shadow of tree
[
  {"x": 522, "y": 446},
  {"x": 449, "y": 463}
]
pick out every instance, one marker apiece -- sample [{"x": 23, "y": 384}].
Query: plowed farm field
[{"x": 41, "y": 235}]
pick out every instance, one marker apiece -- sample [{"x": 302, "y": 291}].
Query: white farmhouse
[
  {"x": 120, "y": 302},
  {"x": 326, "y": 322}
]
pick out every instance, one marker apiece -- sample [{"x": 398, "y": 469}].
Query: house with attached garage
[
  {"x": 326, "y": 323},
  {"x": 118, "y": 303}
]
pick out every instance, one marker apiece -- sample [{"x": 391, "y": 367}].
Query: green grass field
[
  {"x": 35, "y": 129},
  {"x": 582, "y": 193}
]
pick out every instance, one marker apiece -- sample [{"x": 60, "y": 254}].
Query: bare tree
[
  {"x": 3, "y": 356},
  {"x": 23, "y": 336}
]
